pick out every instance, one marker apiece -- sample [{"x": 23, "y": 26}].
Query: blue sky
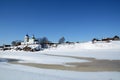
[{"x": 76, "y": 20}]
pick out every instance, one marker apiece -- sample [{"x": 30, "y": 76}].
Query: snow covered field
[
  {"x": 18, "y": 72},
  {"x": 57, "y": 56},
  {"x": 109, "y": 51}
]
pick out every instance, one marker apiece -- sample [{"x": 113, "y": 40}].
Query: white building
[{"x": 29, "y": 41}]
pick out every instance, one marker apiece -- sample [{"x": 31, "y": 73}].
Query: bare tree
[{"x": 61, "y": 40}]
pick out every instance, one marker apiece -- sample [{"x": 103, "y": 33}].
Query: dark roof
[{"x": 7, "y": 45}]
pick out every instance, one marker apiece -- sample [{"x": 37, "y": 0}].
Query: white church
[{"x": 29, "y": 41}]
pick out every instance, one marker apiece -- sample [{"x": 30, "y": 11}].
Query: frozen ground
[
  {"x": 38, "y": 57},
  {"x": 18, "y": 72},
  {"x": 108, "y": 51}
]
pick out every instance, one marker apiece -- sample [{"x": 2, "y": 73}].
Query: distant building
[
  {"x": 1, "y": 47},
  {"x": 30, "y": 44},
  {"x": 6, "y": 47},
  {"x": 115, "y": 38},
  {"x": 29, "y": 41}
]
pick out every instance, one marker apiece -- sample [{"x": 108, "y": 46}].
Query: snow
[
  {"x": 109, "y": 51},
  {"x": 98, "y": 54},
  {"x": 89, "y": 46},
  {"x": 19, "y": 72},
  {"x": 36, "y": 57}
]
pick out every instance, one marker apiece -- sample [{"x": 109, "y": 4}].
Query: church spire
[
  {"x": 26, "y": 38},
  {"x": 33, "y": 37}
]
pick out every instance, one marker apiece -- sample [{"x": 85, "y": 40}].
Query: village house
[
  {"x": 115, "y": 38},
  {"x": 1, "y": 47},
  {"x": 7, "y": 47}
]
